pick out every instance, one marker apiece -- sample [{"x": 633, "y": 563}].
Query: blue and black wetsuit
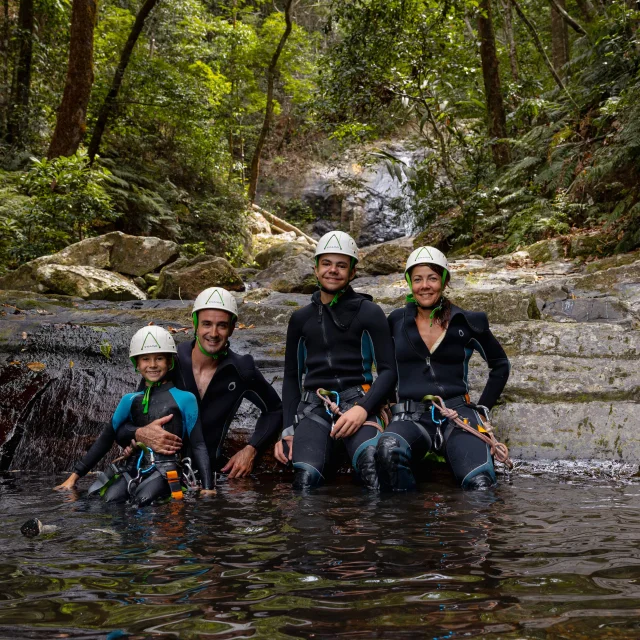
[
  {"x": 412, "y": 432},
  {"x": 236, "y": 378},
  {"x": 335, "y": 348},
  {"x": 163, "y": 400}
]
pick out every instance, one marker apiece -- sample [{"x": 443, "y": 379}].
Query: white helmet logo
[
  {"x": 333, "y": 243},
  {"x": 153, "y": 343},
  {"x": 215, "y": 297}
]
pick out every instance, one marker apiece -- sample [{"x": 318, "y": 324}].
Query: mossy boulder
[
  {"x": 437, "y": 235},
  {"x": 283, "y": 251},
  {"x": 547, "y": 250},
  {"x": 291, "y": 275},
  {"x": 87, "y": 282},
  {"x": 186, "y": 278},
  {"x": 386, "y": 258}
]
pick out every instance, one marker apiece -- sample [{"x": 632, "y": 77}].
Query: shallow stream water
[{"x": 539, "y": 557}]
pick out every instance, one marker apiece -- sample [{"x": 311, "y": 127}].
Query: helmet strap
[
  {"x": 147, "y": 395},
  {"x": 215, "y": 356}
]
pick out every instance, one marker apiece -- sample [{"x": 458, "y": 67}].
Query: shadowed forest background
[{"x": 169, "y": 117}]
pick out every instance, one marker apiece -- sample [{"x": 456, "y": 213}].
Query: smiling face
[
  {"x": 426, "y": 285},
  {"x": 214, "y": 329},
  {"x": 334, "y": 271},
  {"x": 154, "y": 366}
]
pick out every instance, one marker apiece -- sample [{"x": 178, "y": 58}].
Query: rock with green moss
[
  {"x": 293, "y": 275},
  {"x": 547, "y": 250},
  {"x": 87, "y": 282},
  {"x": 437, "y": 234},
  {"x": 279, "y": 253},
  {"x": 186, "y": 278},
  {"x": 386, "y": 258}
]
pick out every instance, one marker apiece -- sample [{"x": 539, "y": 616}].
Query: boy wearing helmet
[
  {"x": 155, "y": 476},
  {"x": 434, "y": 341},
  {"x": 220, "y": 379},
  {"x": 332, "y": 344}
]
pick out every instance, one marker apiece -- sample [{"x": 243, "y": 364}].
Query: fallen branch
[{"x": 281, "y": 224}]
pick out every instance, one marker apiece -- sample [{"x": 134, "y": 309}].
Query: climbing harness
[
  {"x": 498, "y": 449},
  {"x": 333, "y": 409}
]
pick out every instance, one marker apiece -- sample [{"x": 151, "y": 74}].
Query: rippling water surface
[{"x": 537, "y": 558}]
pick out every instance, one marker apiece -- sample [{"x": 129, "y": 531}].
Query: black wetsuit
[
  {"x": 236, "y": 378},
  {"x": 413, "y": 431},
  {"x": 163, "y": 400},
  {"x": 335, "y": 348},
  {"x": 98, "y": 450}
]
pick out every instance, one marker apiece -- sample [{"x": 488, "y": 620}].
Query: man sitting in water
[
  {"x": 220, "y": 379},
  {"x": 152, "y": 352}
]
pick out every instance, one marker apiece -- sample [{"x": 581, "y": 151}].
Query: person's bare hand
[
  {"x": 278, "y": 450},
  {"x": 155, "y": 437},
  {"x": 127, "y": 451},
  {"x": 208, "y": 492},
  {"x": 69, "y": 484},
  {"x": 241, "y": 464},
  {"x": 349, "y": 422}
]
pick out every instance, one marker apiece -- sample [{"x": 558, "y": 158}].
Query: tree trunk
[
  {"x": 493, "y": 91},
  {"x": 109, "y": 101},
  {"x": 561, "y": 7},
  {"x": 268, "y": 113},
  {"x": 71, "y": 121},
  {"x": 508, "y": 28},
  {"x": 559, "y": 37},
  {"x": 6, "y": 87},
  {"x": 587, "y": 9},
  {"x": 540, "y": 48},
  {"x": 19, "y": 110}
]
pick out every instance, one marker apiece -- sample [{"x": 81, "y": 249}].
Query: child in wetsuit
[{"x": 151, "y": 476}]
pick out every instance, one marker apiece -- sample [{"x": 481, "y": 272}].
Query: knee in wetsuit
[
  {"x": 481, "y": 478},
  {"x": 305, "y": 476},
  {"x": 365, "y": 466},
  {"x": 393, "y": 457}
]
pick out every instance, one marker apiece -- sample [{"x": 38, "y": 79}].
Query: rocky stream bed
[{"x": 571, "y": 330}]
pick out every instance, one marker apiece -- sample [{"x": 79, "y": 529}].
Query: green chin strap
[
  {"x": 336, "y": 297},
  {"x": 215, "y": 356},
  {"x": 411, "y": 298},
  {"x": 147, "y": 392}
]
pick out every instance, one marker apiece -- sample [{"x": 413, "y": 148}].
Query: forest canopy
[{"x": 152, "y": 117}]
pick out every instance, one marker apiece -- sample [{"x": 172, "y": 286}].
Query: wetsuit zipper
[{"x": 321, "y": 320}]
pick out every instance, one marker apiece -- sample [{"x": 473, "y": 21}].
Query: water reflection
[{"x": 537, "y": 558}]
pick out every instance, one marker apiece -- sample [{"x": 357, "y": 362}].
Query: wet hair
[{"x": 442, "y": 315}]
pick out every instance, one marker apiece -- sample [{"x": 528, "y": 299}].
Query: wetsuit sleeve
[
  {"x": 294, "y": 363},
  {"x": 491, "y": 350},
  {"x": 376, "y": 325},
  {"x": 200, "y": 454},
  {"x": 98, "y": 450},
  {"x": 123, "y": 427},
  {"x": 266, "y": 398}
]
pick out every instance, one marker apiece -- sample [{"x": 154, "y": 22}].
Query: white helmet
[
  {"x": 151, "y": 340},
  {"x": 426, "y": 255},
  {"x": 214, "y": 298},
  {"x": 337, "y": 242}
]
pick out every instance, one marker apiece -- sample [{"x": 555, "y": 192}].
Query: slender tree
[
  {"x": 19, "y": 108},
  {"x": 493, "y": 91},
  {"x": 72, "y": 113},
  {"x": 6, "y": 89},
  {"x": 272, "y": 72},
  {"x": 125, "y": 56},
  {"x": 559, "y": 36},
  {"x": 560, "y": 7},
  {"x": 507, "y": 13}
]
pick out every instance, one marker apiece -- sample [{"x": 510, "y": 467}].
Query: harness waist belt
[
  {"x": 347, "y": 395},
  {"x": 411, "y": 406}
]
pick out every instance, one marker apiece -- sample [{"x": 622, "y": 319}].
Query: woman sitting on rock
[{"x": 434, "y": 341}]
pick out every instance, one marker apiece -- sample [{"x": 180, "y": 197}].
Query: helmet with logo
[
  {"x": 427, "y": 255},
  {"x": 151, "y": 339},
  {"x": 337, "y": 242},
  {"x": 215, "y": 298}
]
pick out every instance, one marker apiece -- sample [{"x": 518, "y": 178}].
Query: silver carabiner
[
  {"x": 189, "y": 474},
  {"x": 438, "y": 439}
]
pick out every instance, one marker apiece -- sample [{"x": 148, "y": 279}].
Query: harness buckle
[{"x": 174, "y": 484}]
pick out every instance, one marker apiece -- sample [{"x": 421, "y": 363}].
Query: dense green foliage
[
  {"x": 174, "y": 159},
  {"x": 575, "y": 152}
]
